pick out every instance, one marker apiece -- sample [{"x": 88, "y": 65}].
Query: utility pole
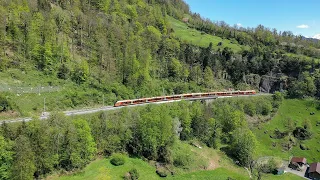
[
  {"x": 102, "y": 100},
  {"x": 44, "y": 104}
]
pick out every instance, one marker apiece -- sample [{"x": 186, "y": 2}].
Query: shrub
[
  {"x": 117, "y": 160},
  {"x": 302, "y": 133},
  {"x": 250, "y": 109},
  {"x": 304, "y": 147},
  {"x": 162, "y": 172},
  {"x": 264, "y": 107},
  {"x": 277, "y": 99},
  {"x": 5, "y": 104},
  {"x": 132, "y": 175},
  {"x": 182, "y": 156}
]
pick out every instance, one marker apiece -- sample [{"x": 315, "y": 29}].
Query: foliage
[
  {"x": 278, "y": 97},
  {"x": 162, "y": 172},
  {"x": 84, "y": 145},
  {"x": 269, "y": 166},
  {"x": 117, "y": 160},
  {"x": 182, "y": 157},
  {"x": 5, "y": 104},
  {"x": 137, "y": 48},
  {"x": 23, "y": 166},
  {"x": 151, "y": 132},
  {"x": 291, "y": 114},
  {"x": 302, "y": 133},
  {"x": 134, "y": 175},
  {"x": 6, "y": 158},
  {"x": 243, "y": 146}
]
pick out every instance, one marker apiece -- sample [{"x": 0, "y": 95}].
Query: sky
[{"x": 299, "y": 16}]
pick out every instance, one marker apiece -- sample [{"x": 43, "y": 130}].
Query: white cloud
[
  {"x": 316, "y": 36},
  {"x": 303, "y": 26},
  {"x": 239, "y": 24}
]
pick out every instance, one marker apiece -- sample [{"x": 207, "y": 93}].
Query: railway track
[{"x": 46, "y": 115}]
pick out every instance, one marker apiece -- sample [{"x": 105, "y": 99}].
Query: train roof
[
  {"x": 184, "y": 94},
  {"x": 124, "y": 100}
]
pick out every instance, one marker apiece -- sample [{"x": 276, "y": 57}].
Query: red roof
[
  {"x": 315, "y": 167},
  {"x": 299, "y": 160}
]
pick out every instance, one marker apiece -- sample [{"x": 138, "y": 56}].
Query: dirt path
[{"x": 212, "y": 164}]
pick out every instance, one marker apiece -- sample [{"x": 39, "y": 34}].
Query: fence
[{"x": 25, "y": 90}]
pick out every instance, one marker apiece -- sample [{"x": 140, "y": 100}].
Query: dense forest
[
  {"x": 127, "y": 49},
  {"x": 37, "y": 148}
]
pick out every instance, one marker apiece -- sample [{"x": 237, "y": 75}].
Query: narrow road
[{"x": 46, "y": 115}]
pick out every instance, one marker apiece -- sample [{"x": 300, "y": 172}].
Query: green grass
[
  {"x": 224, "y": 173},
  {"x": 103, "y": 169},
  {"x": 297, "y": 110},
  {"x": 22, "y": 89},
  {"x": 219, "y": 173},
  {"x": 224, "y": 168},
  {"x": 195, "y": 37},
  {"x": 287, "y": 176}
]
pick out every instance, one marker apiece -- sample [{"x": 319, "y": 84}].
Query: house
[
  {"x": 297, "y": 162},
  {"x": 314, "y": 171}
]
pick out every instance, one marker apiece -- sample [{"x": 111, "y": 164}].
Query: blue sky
[{"x": 299, "y": 16}]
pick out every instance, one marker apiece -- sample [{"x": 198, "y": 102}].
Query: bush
[
  {"x": 302, "y": 133},
  {"x": 270, "y": 165},
  {"x": 277, "y": 99},
  {"x": 250, "y": 109},
  {"x": 264, "y": 107},
  {"x": 304, "y": 147},
  {"x": 132, "y": 175},
  {"x": 182, "y": 156},
  {"x": 117, "y": 160},
  {"x": 5, "y": 104},
  {"x": 162, "y": 172}
]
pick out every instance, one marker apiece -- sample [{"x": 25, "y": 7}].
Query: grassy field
[
  {"x": 102, "y": 169},
  {"x": 224, "y": 173},
  {"x": 32, "y": 104},
  {"x": 219, "y": 167},
  {"x": 193, "y": 36},
  {"x": 28, "y": 91},
  {"x": 298, "y": 111}
]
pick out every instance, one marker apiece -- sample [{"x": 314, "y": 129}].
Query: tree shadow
[{"x": 228, "y": 151}]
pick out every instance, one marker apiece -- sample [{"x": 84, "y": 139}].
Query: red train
[{"x": 181, "y": 96}]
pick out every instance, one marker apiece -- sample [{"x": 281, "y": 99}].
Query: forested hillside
[
  {"x": 63, "y": 54},
  {"x": 132, "y": 48},
  {"x": 152, "y": 133}
]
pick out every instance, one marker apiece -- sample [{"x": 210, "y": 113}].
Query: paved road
[
  {"x": 298, "y": 173},
  {"x": 46, "y": 115}
]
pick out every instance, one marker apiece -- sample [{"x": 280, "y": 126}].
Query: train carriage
[
  {"x": 182, "y": 96},
  {"x": 123, "y": 103}
]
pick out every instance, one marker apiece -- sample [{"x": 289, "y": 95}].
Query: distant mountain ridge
[{"x": 316, "y": 37}]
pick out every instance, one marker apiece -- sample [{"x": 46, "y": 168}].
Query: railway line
[{"x": 138, "y": 102}]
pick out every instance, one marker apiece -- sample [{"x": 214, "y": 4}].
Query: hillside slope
[
  {"x": 297, "y": 111},
  {"x": 75, "y": 53}
]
